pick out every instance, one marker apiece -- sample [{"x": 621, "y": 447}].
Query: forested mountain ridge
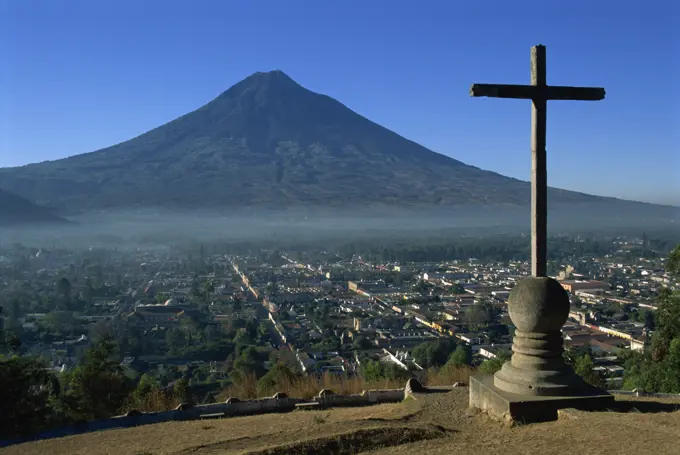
[{"x": 16, "y": 210}]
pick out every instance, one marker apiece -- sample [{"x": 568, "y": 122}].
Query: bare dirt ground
[{"x": 433, "y": 424}]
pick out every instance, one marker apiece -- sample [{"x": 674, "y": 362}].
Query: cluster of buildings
[
  {"x": 392, "y": 308},
  {"x": 327, "y": 313}
]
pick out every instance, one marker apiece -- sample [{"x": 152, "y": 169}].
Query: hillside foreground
[{"x": 432, "y": 424}]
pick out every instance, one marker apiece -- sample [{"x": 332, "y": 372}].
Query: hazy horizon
[{"x": 163, "y": 226}]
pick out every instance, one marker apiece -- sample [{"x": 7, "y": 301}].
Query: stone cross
[{"x": 539, "y": 93}]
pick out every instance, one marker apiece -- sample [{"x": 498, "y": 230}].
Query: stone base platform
[{"x": 531, "y": 409}]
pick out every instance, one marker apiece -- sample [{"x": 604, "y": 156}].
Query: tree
[
  {"x": 583, "y": 366},
  {"x": 394, "y": 372},
  {"x": 62, "y": 321},
  {"x": 14, "y": 311},
  {"x": 670, "y": 369},
  {"x": 243, "y": 337},
  {"x": 650, "y": 320},
  {"x": 100, "y": 330},
  {"x": 461, "y": 356},
  {"x": 98, "y": 387},
  {"x": 147, "y": 384},
  {"x": 11, "y": 341},
  {"x": 434, "y": 353},
  {"x": 64, "y": 288},
  {"x": 182, "y": 392},
  {"x": 277, "y": 378},
  {"x": 324, "y": 313},
  {"x": 372, "y": 371},
  {"x": 329, "y": 343},
  {"x": 175, "y": 339},
  {"x": 667, "y": 320},
  {"x": 88, "y": 292},
  {"x": 490, "y": 366},
  {"x": 640, "y": 372},
  {"x": 481, "y": 314},
  {"x": 660, "y": 371},
  {"x": 251, "y": 328},
  {"x": 361, "y": 343},
  {"x": 26, "y": 393},
  {"x": 457, "y": 288},
  {"x": 195, "y": 290},
  {"x": 212, "y": 333},
  {"x": 376, "y": 371},
  {"x": 248, "y": 362},
  {"x": 208, "y": 288},
  {"x": 497, "y": 332},
  {"x": 673, "y": 262}
]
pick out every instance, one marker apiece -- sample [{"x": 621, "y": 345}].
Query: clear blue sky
[{"x": 76, "y": 76}]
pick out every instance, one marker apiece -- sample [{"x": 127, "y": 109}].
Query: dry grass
[
  {"x": 305, "y": 386},
  {"x": 355, "y": 441},
  {"x": 310, "y": 386},
  {"x": 444, "y": 419},
  {"x": 590, "y": 433},
  {"x": 447, "y": 376},
  {"x": 156, "y": 400},
  {"x": 231, "y": 435}
]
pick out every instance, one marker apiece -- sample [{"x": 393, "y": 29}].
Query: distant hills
[
  {"x": 18, "y": 211},
  {"x": 267, "y": 142}
]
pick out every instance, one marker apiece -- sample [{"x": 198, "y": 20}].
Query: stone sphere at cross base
[{"x": 538, "y": 304}]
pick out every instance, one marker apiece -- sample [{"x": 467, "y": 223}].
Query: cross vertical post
[{"x": 539, "y": 177}]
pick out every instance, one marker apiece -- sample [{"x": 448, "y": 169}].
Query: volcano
[{"x": 269, "y": 142}]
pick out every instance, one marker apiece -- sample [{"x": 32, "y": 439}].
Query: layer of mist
[{"x": 162, "y": 227}]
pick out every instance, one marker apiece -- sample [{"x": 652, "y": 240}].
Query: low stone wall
[
  {"x": 384, "y": 396},
  {"x": 330, "y": 400},
  {"x": 640, "y": 393},
  {"x": 235, "y": 407},
  {"x": 367, "y": 397},
  {"x": 231, "y": 408}
]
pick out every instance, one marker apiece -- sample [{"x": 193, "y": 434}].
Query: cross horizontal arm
[
  {"x": 504, "y": 91},
  {"x": 531, "y": 92},
  {"x": 574, "y": 93}
]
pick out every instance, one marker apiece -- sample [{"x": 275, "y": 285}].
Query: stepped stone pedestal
[{"x": 536, "y": 382}]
